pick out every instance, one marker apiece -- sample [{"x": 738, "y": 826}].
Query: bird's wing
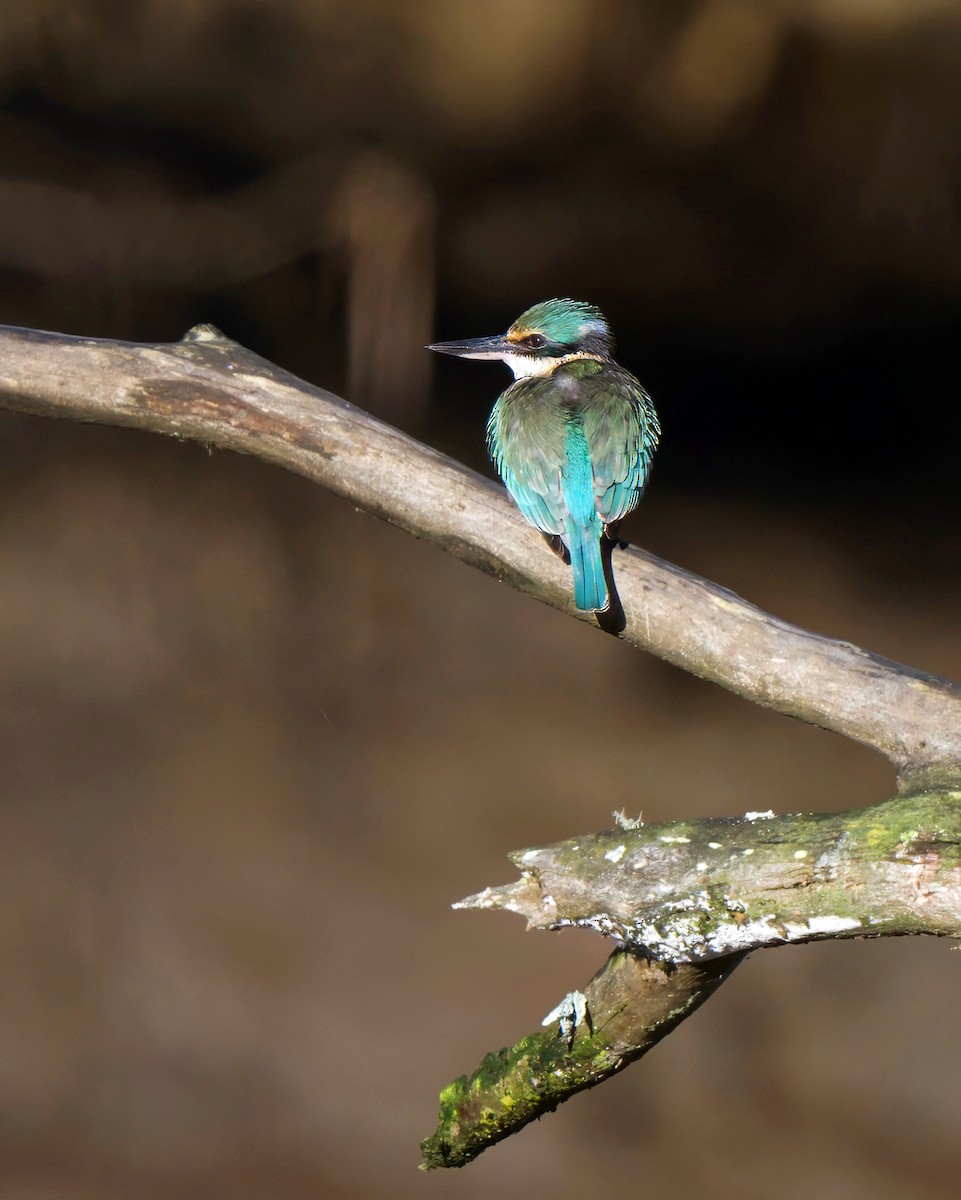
[
  {"x": 526, "y": 441},
  {"x": 622, "y": 431}
]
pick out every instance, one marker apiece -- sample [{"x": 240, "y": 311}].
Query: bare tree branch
[{"x": 210, "y": 389}]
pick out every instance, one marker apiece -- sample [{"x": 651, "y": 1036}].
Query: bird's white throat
[{"x": 526, "y": 365}]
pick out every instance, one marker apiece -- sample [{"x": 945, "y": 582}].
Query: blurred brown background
[{"x": 253, "y": 743}]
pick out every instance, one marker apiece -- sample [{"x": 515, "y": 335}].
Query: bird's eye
[{"x": 534, "y": 341}]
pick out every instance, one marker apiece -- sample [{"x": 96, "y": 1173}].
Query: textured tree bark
[
  {"x": 632, "y": 1005},
  {"x": 694, "y": 890},
  {"x": 212, "y": 390},
  {"x": 686, "y": 901}
]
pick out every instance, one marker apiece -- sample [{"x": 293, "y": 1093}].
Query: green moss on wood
[{"x": 698, "y": 895}]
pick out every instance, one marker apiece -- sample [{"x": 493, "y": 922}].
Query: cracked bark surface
[{"x": 687, "y": 901}]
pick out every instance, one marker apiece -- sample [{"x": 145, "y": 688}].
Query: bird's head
[{"x": 541, "y": 337}]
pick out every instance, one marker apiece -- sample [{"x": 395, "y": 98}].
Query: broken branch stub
[{"x": 695, "y": 890}]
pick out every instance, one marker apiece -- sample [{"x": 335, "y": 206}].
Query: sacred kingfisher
[{"x": 572, "y": 437}]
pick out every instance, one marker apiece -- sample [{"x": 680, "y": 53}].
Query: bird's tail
[
  {"x": 583, "y": 526},
  {"x": 590, "y": 586}
]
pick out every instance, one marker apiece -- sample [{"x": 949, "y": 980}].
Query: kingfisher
[{"x": 572, "y": 437}]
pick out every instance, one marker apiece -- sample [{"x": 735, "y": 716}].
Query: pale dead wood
[
  {"x": 212, "y": 390},
  {"x": 689, "y": 891}
]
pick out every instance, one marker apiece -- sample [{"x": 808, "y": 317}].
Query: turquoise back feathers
[{"x": 573, "y": 436}]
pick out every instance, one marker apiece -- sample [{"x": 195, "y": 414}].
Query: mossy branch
[
  {"x": 689, "y": 891},
  {"x": 687, "y": 901},
  {"x": 632, "y": 1005}
]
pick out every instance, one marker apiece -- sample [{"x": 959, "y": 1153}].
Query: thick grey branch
[
  {"x": 695, "y": 890},
  {"x": 212, "y": 390}
]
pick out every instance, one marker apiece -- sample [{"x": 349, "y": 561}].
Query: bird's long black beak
[{"x": 484, "y": 347}]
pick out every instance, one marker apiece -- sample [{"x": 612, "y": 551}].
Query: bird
[{"x": 572, "y": 437}]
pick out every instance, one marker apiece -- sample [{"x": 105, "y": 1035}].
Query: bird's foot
[{"x": 554, "y": 541}]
